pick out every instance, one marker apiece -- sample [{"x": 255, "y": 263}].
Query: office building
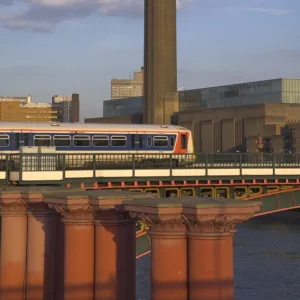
[
  {"x": 126, "y": 88},
  {"x": 14, "y": 111},
  {"x": 68, "y": 108},
  {"x": 22, "y": 109}
]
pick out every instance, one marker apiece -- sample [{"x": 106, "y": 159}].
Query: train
[{"x": 76, "y": 138}]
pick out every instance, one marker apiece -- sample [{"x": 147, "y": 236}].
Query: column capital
[
  {"x": 108, "y": 206},
  {"x": 11, "y": 202},
  {"x": 35, "y": 200},
  {"x": 213, "y": 224},
  {"x": 163, "y": 216},
  {"x": 73, "y": 207},
  {"x": 163, "y": 223},
  {"x": 216, "y": 217},
  {"x": 73, "y": 212}
]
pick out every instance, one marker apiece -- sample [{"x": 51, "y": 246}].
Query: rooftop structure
[
  {"x": 271, "y": 91},
  {"x": 25, "y": 99}
]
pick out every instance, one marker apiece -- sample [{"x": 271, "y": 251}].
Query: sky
[{"x": 59, "y": 47}]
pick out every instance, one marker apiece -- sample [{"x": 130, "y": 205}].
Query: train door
[
  {"x": 137, "y": 142},
  {"x": 24, "y": 139},
  {"x": 182, "y": 137},
  {"x": 16, "y": 142}
]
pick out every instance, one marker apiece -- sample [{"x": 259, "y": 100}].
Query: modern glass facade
[
  {"x": 258, "y": 92},
  {"x": 268, "y": 91},
  {"x": 123, "y": 107},
  {"x": 291, "y": 91}
]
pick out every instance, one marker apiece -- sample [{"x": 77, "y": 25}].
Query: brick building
[{"x": 259, "y": 116}]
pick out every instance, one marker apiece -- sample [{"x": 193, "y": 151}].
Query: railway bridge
[
  {"x": 236, "y": 176},
  {"x": 53, "y": 185},
  {"x": 272, "y": 178}
]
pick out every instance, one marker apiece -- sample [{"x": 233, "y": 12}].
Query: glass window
[
  {"x": 160, "y": 141},
  {"x": 81, "y": 141},
  {"x": 4, "y": 140},
  {"x": 149, "y": 141},
  {"x": 118, "y": 141},
  {"x": 62, "y": 141},
  {"x": 183, "y": 141},
  {"x": 100, "y": 141},
  {"x": 42, "y": 140},
  {"x": 172, "y": 140}
]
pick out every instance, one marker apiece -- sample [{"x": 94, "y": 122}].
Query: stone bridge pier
[{"x": 62, "y": 244}]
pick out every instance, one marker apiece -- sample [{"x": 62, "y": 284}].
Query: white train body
[{"x": 120, "y": 140}]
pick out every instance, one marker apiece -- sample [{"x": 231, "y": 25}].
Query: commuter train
[{"x": 71, "y": 138}]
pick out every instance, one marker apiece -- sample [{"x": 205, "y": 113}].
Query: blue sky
[{"x": 53, "y": 47}]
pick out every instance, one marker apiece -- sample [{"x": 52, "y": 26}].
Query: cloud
[
  {"x": 45, "y": 15},
  {"x": 271, "y": 11},
  {"x": 6, "y": 2}
]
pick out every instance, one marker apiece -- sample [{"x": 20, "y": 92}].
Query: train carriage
[{"x": 109, "y": 142}]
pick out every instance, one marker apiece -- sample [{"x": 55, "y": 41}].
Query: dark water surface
[{"x": 266, "y": 260}]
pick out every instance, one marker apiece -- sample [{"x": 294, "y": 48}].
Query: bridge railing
[{"x": 138, "y": 161}]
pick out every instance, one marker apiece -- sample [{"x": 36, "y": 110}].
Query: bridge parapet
[{"x": 56, "y": 168}]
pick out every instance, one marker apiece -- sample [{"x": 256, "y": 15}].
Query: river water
[{"x": 266, "y": 260}]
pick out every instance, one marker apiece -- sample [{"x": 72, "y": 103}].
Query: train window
[
  {"x": 100, "y": 141},
  {"x": 81, "y": 141},
  {"x": 4, "y": 140},
  {"x": 42, "y": 140},
  {"x": 183, "y": 141},
  {"x": 62, "y": 141},
  {"x": 149, "y": 141},
  {"x": 172, "y": 141},
  {"x": 160, "y": 141},
  {"x": 118, "y": 141}
]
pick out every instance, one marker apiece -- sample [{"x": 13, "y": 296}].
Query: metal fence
[{"x": 83, "y": 161}]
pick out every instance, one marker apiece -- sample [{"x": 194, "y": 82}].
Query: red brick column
[
  {"x": 40, "y": 271},
  {"x": 211, "y": 225},
  {"x": 115, "y": 245},
  {"x": 169, "y": 247},
  {"x": 78, "y": 243},
  {"x": 13, "y": 246},
  {"x": 169, "y": 269},
  {"x": 59, "y": 259},
  {"x": 115, "y": 257}
]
